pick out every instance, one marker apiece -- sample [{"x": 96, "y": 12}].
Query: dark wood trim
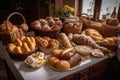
[
  {"x": 80, "y": 7},
  {"x": 97, "y": 8},
  {"x": 76, "y": 7},
  {"x": 118, "y": 16}
]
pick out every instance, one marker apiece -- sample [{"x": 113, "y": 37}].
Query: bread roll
[
  {"x": 52, "y": 61},
  {"x": 97, "y": 53},
  {"x": 31, "y": 45},
  {"x": 95, "y": 35},
  {"x": 11, "y": 47},
  {"x": 25, "y": 48},
  {"x": 75, "y": 60},
  {"x": 83, "y": 50},
  {"x": 64, "y": 40},
  {"x": 33, "y": 40},
  {"x": 18, "y": 42},
  {"x": 18, "y": 50},
  {"x": 56, "y": 52},
  {"x": 53, "y": 43},
  {"x": 66, "y": 56},
  {"x": 63, "y": 65}
]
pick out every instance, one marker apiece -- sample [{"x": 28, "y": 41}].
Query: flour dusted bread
[
  {"x": 64, "y": 41},
  {"x": 86, "y": 40}
]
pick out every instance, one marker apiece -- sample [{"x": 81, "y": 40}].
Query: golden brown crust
[
  {"x": 64, "y": 40},
  {"x": 52, "y": 61},
  {"x": 63, "y": 65},
  {"x": 95, "y": 35},
  {"x": 112, "y": 21}
]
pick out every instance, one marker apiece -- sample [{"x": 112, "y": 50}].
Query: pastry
[
  {"x": 95, "y": 35},
  {"x": 63, "y": 65},
  {"x": 112, "y": 21},
  {"x": 70, "y": 36},
  {"x": 66, "y": 56},
  {"x": 83, "y": 50},
  {"x": 35, "y": 60},
  {"x": 56, "y": 52},
  {"x": 18, "y": 50},
  {"x": 53, "y": 43},
  {"x": 47, "y": 38},
  {"x": 18, "y": 42},
  {"x": 52, "y": 61},
  {"x": 109, "y": 41},
  {"x": 11, "y": 47},
  {"x": 97, "y": 53},
  {"x": 75, "y": 60},
  {"x": 63, "y": 39},
  {"x": 25, "y": 47},
  {"x": 43, "y": 43},
  {"x": 36, "y": 24}
]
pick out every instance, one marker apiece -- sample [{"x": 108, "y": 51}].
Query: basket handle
[
  {"x": 14, "y": 13},
  {"x": 85, "y": 15}
]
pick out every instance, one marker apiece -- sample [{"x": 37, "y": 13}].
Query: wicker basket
[
  {"x": 68, "y": 29},
  {"x": 105, "y": 30},
  {"x": 8, "y": 36},
  {"x": 49, "y": 33}
]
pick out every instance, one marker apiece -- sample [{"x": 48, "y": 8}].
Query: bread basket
[
  {"x": 21, "y": 57},
  {"x": 72, "y": 29},
  {"x": 105, "y": 30},
  {"x": 9, "y": 36},
  {"x": 49, "y": 33}
]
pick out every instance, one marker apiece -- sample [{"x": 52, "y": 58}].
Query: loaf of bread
[
  {"x": 94, "y": 34},
  {"x": 75, "y": 60},
  {"x": 64, "y": 41},
  {"x": 82, "y": 39},
  {"x": 63, "y": 65}
]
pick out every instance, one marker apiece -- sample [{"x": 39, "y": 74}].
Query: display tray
[
  {"x": 38, "y": 65},
  {"x": 64, "y": 70}
]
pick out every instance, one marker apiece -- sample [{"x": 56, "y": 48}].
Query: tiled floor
[{"x": 3, "y": 74}]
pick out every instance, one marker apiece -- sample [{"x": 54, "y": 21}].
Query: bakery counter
[{"x": 46, "y": 73}]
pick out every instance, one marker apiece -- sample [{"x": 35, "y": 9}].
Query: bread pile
[
  {"x": 22, "y": 45},
  {"x": 4, "y": 28},
  {"x": 47, "y": 24},
  {"x": 64, "y": 59},
  {"x": 46, "y": 44}
]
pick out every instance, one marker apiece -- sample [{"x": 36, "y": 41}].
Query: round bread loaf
[
  {"x": 63, "y": 65},
  {"x": 52, "y": 61}
]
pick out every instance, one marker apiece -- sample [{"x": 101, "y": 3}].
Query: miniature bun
[
  {"x": 52, "y": 61},
  {"x": 63, "y": 65}
]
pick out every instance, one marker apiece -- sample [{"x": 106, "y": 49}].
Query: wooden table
[{"x": 22, "y": 72}]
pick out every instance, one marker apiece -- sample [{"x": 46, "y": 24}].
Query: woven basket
[
  {"x": 8, "y": 36},
  {"x": 105, "y": 30},
  {"x": 74, "y": 30}
]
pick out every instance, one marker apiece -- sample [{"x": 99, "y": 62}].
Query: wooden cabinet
[{"x": 98, "y": 71}]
